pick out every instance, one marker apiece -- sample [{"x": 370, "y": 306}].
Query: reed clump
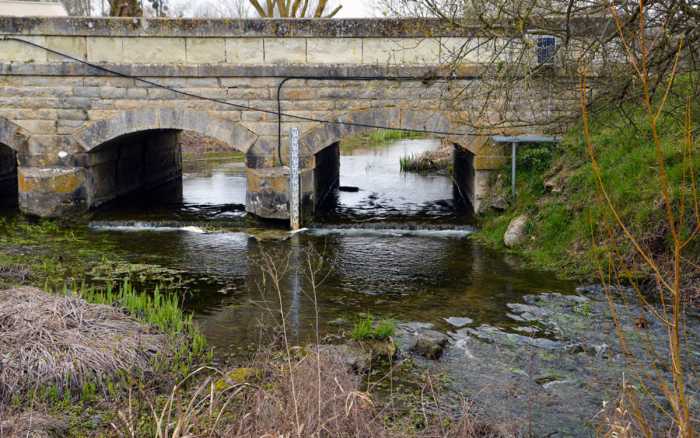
[{"x": 440, "y": 159}]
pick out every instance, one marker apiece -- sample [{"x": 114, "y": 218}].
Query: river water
[{"x": 397, "y": 248}]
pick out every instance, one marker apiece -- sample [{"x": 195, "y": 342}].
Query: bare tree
[
  {"x": 527, "y": 45},
  {"x": 125, "y": 8},
  {"x": 296, "y": 8},
  {"x": 79, "y": 8},
  {"x": 212, "y": 9}
]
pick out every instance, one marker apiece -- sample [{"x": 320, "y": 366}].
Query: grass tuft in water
[
  {"x": 163, "y": 311},
  {"x": 429, "y": 161},
  {"x": 366, "y": 329}
]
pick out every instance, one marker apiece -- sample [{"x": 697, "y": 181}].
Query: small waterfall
[
  {"x": 393, "y": 229},
  {"x": 135, "y": 226}
]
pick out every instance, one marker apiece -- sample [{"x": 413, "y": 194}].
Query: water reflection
[
  {"x": 417, "y": 278},
  {"x": 385, "y": 192},
  {"x": 214, "y": 184},
  {"x": 416, "y": 272}
]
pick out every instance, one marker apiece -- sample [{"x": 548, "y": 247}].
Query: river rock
[
  {"x": 495, "y": 335},
  {"x": 430, "y": 344},
  {"x": 527, "y": 312},
  {"x": 554, "y": 184},
  {"x": 499, "y": 203},
  {"x": 516, "y": 232},
  {"x": 354, "y": 357},
  {"x": 459, "y": 322}
]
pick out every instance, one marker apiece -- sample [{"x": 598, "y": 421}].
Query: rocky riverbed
[{"x": 554, "y": 369}]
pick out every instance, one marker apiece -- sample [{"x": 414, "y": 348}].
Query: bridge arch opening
[
  {"x": 164, "y": 169},
  {"x": 136, "y": 162},
  {"x": 9, "y": 193},
  {"x": 329, "y": 151},
  {"x": 361, "y": 176},
  {"x": 157, "y": 151}
]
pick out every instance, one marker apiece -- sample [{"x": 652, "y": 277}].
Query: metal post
[
  {"x": 513, "y": 156},
  {"x": 294, "y": 183}
]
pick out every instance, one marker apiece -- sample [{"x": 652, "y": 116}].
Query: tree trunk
[{"x": 125, "y": 8}]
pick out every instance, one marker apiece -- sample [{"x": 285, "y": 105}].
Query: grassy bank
[
  {"x": 438, "y": 160},
  {"x": 571, "y": 228},
  {"x": 215, "y": 157},
  {"x": 131, "y": 370},
  {"x": 374, "y": 138}
]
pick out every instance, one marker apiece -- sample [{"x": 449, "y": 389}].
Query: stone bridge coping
[{"x": 275, "y": 28}]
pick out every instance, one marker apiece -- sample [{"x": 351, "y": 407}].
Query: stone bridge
[{"x": 74, "y": 137}]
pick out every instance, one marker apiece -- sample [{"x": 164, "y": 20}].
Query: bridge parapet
[{"x": 263, "y": 41}]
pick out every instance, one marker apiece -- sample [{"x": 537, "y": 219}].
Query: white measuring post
[
  {"x": 514, "y": 154},
  {"x": 294, "y": 181}
]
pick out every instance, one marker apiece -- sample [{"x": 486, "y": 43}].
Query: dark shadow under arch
[
  {"x": 13, "y": 140},
  {"x": 9, "y": 194}
]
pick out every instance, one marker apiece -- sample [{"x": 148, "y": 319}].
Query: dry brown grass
[
  {"x": 51, "y": 340},
  {"x": 258, "y": 401},
  {"x": 31, "y": 425},
  {"x": 341, "y": 411}
]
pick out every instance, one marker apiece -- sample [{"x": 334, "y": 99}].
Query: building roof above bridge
[{"x": 280, "y": 28}]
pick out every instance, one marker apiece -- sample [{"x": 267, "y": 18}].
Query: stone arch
[
  {"x": 323, "y": 142},
  {"x": 12, "y": 135},
  {"x": 320, "y": 137},
  {"x": 128, "y": 122}
]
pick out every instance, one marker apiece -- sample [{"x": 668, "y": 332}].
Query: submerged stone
[
  {"x": 458, "y": 322},
  {"x": 495, "y": 335},
  {"x": 430, "y": 344},
  {"x": 528, "y": 312},
  {"x": 238, "y": 376}
]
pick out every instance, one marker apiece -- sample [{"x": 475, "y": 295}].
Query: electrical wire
[{"x": 278, "y": 113}]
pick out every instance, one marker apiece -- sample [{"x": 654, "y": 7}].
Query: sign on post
[{"x": 294, "y": 181}]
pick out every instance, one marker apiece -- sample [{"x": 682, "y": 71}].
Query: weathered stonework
[{"x": 83, "y": 137}]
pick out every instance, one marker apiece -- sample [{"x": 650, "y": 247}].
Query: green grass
[
  {"x": 163, "y": 311},
  {"x": 367, "y": 329},
  {"x": 422, "y": 163},
  {"x": 375, "y": 138},
  {"x": 214, "y": 156},
  {"x": 563, "y": 226}
]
